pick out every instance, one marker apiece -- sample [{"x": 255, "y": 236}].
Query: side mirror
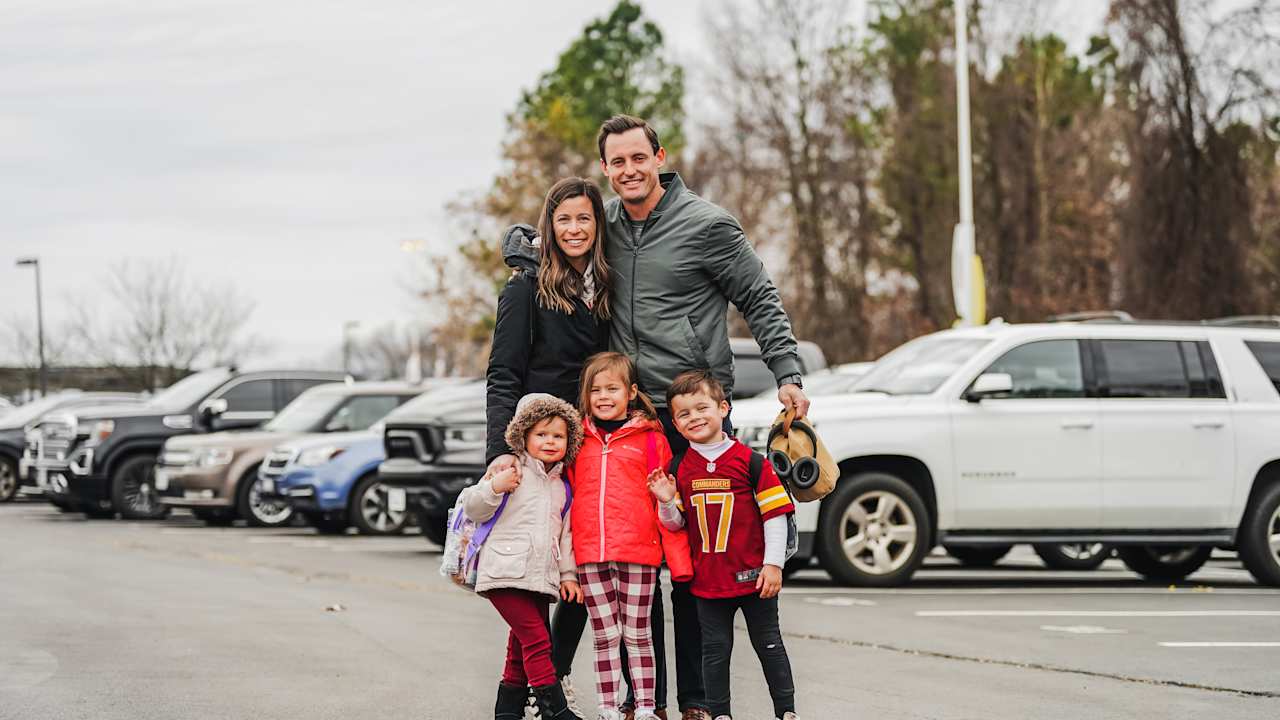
[
  {"x": 210, "y": 409},
  {"x": 989, "y": 384}
]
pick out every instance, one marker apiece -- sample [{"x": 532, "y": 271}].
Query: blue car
[{"x": 333, "y": 482}]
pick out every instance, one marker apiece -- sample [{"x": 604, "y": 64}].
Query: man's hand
[
  {"x": 571, "y": 591},
  {"x": 662, "y": 485},
  {"x": 791, "y": 396},
  {"x": 505, "y": 481},
  {"x": 770, "y": 581},
  {"x": 503, "y": 462}
]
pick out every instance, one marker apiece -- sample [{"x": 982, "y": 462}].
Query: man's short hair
[
  {"x": 691, "y": 381},
  {"x": 621, "y": 123}
]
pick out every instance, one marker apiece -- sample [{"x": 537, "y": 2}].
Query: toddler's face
[
  {"x": 698, "y": 417},
  {"x": 548, "y": 440},
  {"x": 610, "y": 396}
]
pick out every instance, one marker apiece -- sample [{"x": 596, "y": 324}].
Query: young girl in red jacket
[{"x": 618, "y": 541}]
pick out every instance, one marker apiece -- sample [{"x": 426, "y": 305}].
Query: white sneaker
[
  {"x": 789, "y": 716},
  {"x": 723, "y": 717},
  {"x": 609, "y": 715},
  {"x": 570, "y": 696}
]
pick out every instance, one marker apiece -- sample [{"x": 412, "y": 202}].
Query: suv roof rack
[
  {"x": 1093, "y": 316},
  {"x": 1260, "y": 321}
]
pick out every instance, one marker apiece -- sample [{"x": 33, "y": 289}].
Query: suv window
[
  {"x": 1043, "y": 369},
  {"x": 292, "y": 388},
  {"x": 359, "y": 413},
  {"x": 751, "y": 376},
  {"x": 1268, "y": 356},
  {"x": 1157, "y": 369},
  {"x": 251, "y": 396}
]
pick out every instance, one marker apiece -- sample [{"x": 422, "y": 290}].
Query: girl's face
[
  {"x": 574, "y": 222},
  {"x": 548, "y": 440},
  {"x": 611, "y": 396}
]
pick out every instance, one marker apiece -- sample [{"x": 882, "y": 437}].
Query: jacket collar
[
  {"x": 637, "y": 423},
  {"x": 534, "y": 465}
]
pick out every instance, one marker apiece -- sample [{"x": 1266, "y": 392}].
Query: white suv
[{"x": 1162, "y": 439}]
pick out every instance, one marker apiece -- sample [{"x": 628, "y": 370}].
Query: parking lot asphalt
[{"x": 171, "y": 619}]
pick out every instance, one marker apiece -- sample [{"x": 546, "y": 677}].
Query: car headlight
[
  {"x": 214, "y": 457},
  {"x": 464, "y": 438},
  {"x": 320, "y": 455},
  {"x": 100, "y": 431}
]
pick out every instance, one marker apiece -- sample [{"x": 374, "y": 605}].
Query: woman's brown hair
[
  {"x": 558, "y": 282},
  {"x": 622, "y": 365}
]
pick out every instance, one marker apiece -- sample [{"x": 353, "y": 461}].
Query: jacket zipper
[{"x": 604, "y": 477}]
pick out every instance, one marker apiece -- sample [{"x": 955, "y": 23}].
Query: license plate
[
  {"x": 395, "y": 499},
  {"x": 162, "y": 480},
  {"x": 266, "y": 485}
]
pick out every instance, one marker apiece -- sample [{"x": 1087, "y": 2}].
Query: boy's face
[
  {"x": 547, "y": 440},
  {"x": 698, "y": 417}
]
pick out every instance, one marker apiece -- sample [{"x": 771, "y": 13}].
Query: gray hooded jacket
[{"x": 671, "y": 292}]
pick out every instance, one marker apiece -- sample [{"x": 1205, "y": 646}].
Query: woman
[{"x": 552, "y": 315}]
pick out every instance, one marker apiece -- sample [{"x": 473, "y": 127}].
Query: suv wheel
[
  {"x": 328, "y": 523},
  {"x": 1073, "y": 556},
  {"x": 8, "y": 479},
  {"x": 874, "y": 531},
  {"x": 1165, "y": 563},
  {"x": 978, "y": 556},
  {"x": 371, "y": 511},
  {"x": 1260, "y": 538},
  {"x": 133, "y": 490},
  {"x": 434, "y": 527},
  {"x": 257, "y": 510}
]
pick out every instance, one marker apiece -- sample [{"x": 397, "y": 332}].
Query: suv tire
[
  {"x": 978, "y": 556},
  {"x": 879, "y": 504},
  {"x": 434, "y": 527},
  {"x": 1260, "y": 537},
  {"x": 1165, "y": 563},
  {"x": 254, "y": 509},
  {"x": 9, "y": 483},
  {"x": 133, "y": 491},
  {"x": 214, "y": 517},
  {"x": 328, "y": 523},
  {"x": 1073, "y": 556},
  {"x": 370, "y": 512}
]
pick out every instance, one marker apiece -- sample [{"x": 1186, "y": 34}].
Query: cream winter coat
[{"x": 530, "y": 547}]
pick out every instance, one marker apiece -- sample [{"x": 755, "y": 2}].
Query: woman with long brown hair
[{"x": 552, "y": 315}]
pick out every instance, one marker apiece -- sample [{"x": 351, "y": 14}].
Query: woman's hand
[
  {"x": 505, "y": 481},
  {"x": 571, "y": 591},
  {"x": 662, "y": 485},
  {"x": 770, "y": 581}
]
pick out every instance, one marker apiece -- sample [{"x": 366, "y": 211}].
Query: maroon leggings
[{"x": 529, "y": 643}]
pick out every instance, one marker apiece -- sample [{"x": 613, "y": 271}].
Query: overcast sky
[{"x": 288, "y": 147}]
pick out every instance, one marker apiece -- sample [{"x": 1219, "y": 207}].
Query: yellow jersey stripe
[
  {"x": 774, "y": 504},
  {"x": 767, "y": 496}
]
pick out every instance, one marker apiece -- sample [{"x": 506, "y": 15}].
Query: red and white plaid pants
[{"x": 619, "y": 597}]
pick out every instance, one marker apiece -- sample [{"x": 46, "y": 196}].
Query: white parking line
[
  {"x": 1098, "y": 613},
  {"x": 1220, "y": 644}
]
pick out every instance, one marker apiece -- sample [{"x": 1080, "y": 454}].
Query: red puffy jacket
[{"x": 614, "y": 516}]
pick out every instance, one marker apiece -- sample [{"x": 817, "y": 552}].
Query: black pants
[{"x": 761, "y": 617}]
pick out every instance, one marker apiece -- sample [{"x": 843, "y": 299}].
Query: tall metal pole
[
  {"x": 44, "y": 371},
  {"x": 962, "y": 244}
]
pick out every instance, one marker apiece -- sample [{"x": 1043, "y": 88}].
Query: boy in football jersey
[{"x": 737, "y": 536}]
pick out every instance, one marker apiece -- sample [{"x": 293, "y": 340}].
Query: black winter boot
[
  {"x": 510, "y": 705},
  {"x": 553, "y": 704}
]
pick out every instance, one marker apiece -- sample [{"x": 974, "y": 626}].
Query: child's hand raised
[
  {"x": 505, "y": 481},
  {"x": 662, "y": 485},
  {"x": 770, "y": 581}
]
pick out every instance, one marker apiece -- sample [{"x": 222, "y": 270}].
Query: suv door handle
[
  {"x": 1207, "y": 424},
  {"x": 1077, "y": 424}
]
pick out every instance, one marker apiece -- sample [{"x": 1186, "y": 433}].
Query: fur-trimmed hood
[{"x": 536, "y": 407}]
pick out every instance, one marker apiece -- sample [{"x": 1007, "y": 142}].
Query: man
[{"x": 678, "y": 261}]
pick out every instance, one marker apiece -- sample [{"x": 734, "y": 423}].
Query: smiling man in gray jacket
[{"x": 678, "y": 261}]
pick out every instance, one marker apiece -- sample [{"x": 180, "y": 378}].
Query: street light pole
[
  {"x": 966, "y": 268},
  {"x": 44, "y": 371}
]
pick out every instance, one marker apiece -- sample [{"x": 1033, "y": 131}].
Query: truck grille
[
  {"x": 51, "y": 439},
  {"x": 275, "y": 463}
]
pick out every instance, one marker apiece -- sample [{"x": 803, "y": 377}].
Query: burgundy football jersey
[{"x": 725, "y": 515}]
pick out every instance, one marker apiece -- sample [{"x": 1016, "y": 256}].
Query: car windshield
[
  {"x": 306, "y": 412},
  {"x": 920, "y": 366},
  {"x": 24, "y": 414},
  {"x": 187, "y": 391}
]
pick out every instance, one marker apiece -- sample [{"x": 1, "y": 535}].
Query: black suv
[
  {"x": 101, "y": 461},
  {"x": 435, "y": 443}
]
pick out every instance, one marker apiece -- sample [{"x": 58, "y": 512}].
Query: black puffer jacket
[{"x": 534, "y": 349}]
